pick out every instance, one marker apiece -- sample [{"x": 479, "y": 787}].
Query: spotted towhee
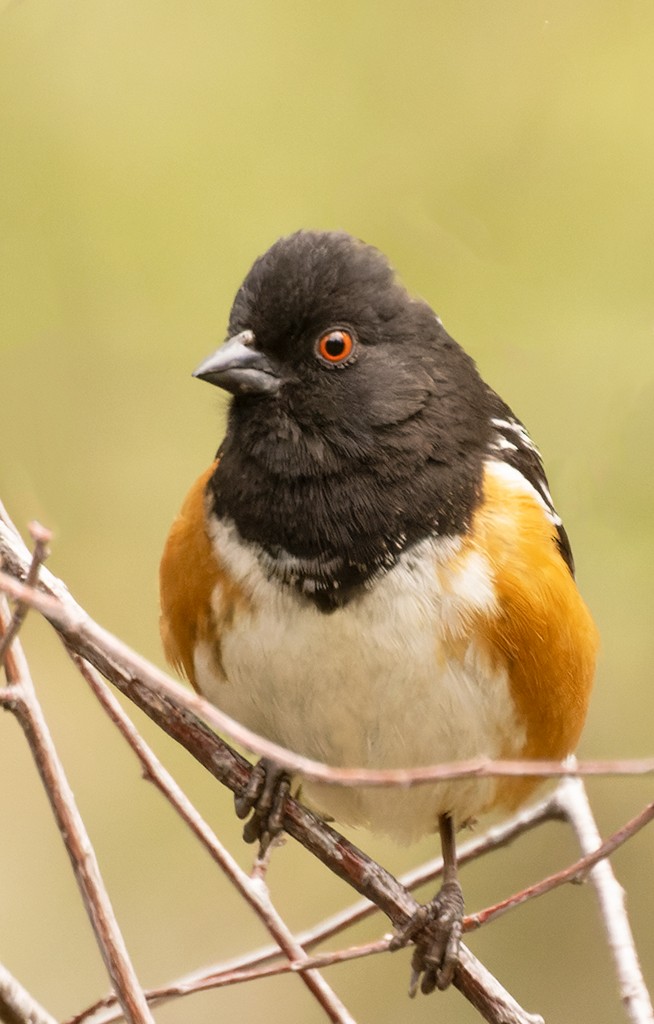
[{"x": 372, "y": 572}]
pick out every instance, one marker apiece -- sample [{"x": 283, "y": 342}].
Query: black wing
[{"x": 511, "y": 443}]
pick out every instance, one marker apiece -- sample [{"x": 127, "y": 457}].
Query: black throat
[{"x": 327, "y": 516}]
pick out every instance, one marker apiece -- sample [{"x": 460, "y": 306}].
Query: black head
[{"x": 357, "y": 427}]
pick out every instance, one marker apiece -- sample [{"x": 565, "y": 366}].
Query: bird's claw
[
  {"x": 265, "y": 796},
  {"x": 436, "y": 930}
]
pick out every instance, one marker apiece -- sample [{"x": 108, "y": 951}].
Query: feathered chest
[{"x": 394, "y": 678}]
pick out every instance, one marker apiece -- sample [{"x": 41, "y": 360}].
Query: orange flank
[
  {"x": 188, "y": 578},
  {"x": 543, "y": 633}
]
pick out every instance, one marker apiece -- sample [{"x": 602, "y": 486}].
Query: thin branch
[
  {"x": 635, "y": 997},
  {"x": 27, "y": 710},
  {"x": 17, "y": 1006},
  {"x": 41, "y": 537},
  {"x": 255, "y": 966},
  {"x": 574, "y": 873},
  {"x": 105, "y": 1010},
  {"x": 7, "y": 520},
  {"x": 508, "y": 1011},
  {"x": 489, "y": 998},
  {"x": 264, "y": 962},
  {"x": 254, "y": 892}
]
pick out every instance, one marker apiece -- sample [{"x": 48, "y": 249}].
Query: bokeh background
[{"x": 502, "y": 155}]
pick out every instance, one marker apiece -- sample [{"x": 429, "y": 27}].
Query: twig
[
  {"x": 106, "y": 1012},
  {"x": 20, "y": 698},
  {"x": 264, "y": 962},
  {"x": 509, "y": 1014},
  {"x": 7, "y": 520},
  {"x": 17, "y": 1006},
  {"x": 574, "y": 873},
  {"x": 572, "y": 797},
  {"x": 41, "y": 537},
  {"x": 508, "y": 1011},
  {"x": 253, "y": 891}
]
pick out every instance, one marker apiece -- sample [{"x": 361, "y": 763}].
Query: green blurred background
[{"x": 502, "y": 154}]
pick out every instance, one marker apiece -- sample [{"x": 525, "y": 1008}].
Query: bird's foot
[
  {"x": 264, "y": 795},
  {"x": 435, "y": 928}
]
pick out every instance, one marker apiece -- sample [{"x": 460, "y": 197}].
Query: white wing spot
[{"x": 515, "y": 478}]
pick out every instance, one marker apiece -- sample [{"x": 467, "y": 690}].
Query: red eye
[{"x": 335, "y": 346}]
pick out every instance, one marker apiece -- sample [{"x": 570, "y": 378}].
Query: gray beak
[{"x": 239, "y": 367}]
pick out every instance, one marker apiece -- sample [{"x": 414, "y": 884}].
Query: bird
[{"x": 372, "y": 572}]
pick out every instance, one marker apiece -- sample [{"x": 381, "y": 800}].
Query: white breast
[{"x": 374, "y": 684}]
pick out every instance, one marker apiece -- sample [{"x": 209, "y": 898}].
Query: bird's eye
[{"x": 335, "y": 346}]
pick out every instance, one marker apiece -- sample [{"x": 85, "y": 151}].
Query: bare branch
[
  {"x": 9, "y": 523},
  {"x": 104, "y": 1013},
  {"x": 22, "y": 701},
  {"x": 635, "y": 997},
  {"x": 17, "y": 1006},
  {"x": 265, "y": 962},
  {"x": 574, "y": 873},
  {"x": 41, "y": 537}
]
